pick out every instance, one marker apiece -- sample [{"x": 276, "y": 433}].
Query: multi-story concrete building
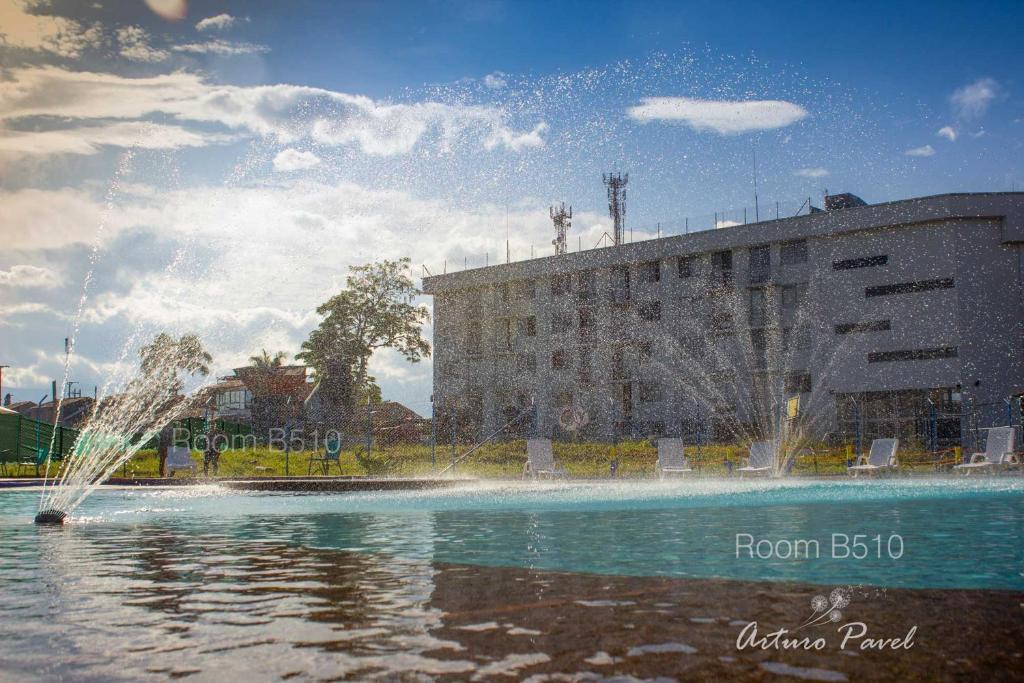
[{"x": 905, "y": 317}]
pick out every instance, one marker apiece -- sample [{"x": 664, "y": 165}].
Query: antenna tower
[
  {"x": 616, "y": 184},
  {"x": 563, "y": 221}
]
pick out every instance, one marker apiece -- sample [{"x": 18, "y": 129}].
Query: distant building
[
  {"x": 74, "y": 411},
  {"x": 905, "y": 317}
]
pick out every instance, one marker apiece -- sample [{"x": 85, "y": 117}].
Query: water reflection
[{"x": 263, "y": 598}]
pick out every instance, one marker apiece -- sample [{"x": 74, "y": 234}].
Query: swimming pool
[
  {"x": 148, "y": 573},
  {"x": 923, "y": 533}
]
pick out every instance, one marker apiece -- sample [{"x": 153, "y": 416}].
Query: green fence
[{"x": 26, "y": 442}]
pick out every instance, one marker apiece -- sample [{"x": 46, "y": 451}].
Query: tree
[
  {"x": 273, "y": 399},
  {"x": 375, "y": 310},
  {"x": 166, "y": 357},
  {"x": 161, "y": 363}
]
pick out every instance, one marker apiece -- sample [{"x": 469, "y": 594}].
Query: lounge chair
[
  {"x": 540, "y": 460},
  {"x": 179, "y": 458},
  {"x": 881, "y": 457},
  {"x": 330, "y": 454},
  {"x": 998, "y": 452},
  {"x": 762, "y": 458},
  {"x": 672, "y": 458}
]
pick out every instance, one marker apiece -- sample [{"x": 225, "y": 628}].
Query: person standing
[{"x": 215, "y": 443}]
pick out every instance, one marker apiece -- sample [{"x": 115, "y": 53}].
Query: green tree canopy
[
  {"x": 375, "y": 310},
  {"x": 165, "y": 358}
]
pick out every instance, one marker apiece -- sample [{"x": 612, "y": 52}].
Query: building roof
[
  {"x": 393, "y": 412},
  {"x": 1005, "y": 206}
]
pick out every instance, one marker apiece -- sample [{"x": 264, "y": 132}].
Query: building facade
[{"x": 902, "y": 319}]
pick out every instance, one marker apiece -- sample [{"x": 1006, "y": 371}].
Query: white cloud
[
  {"x": 22, "y": 28},
  {"x": 972, "y": 101},
  {"x": 721, "y": 116},
  {"x": 134, "y": 42},
  {"x": 495, "y": 81},
  {"x": 216, "y": 23},
  {"x": 925, "y": 151},
  {"x": 90, "y": 139},
  {"x": 811, "y": 172},
  {"x": 503, "y": 137},
  {"x": 62, "y": 217},
  {"x": 284, "y": 112},
  {"x": 948, "y": 132},
  {"x": 221, "y": 47},
  {"x": 294, "y": 160},
  {"x": 29, "y": 276}
]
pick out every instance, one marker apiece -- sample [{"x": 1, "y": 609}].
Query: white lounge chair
[
  {"x": 762, "y": 458},
  {"x": 998, "y": 452},
  {"x": 880, "y": 458},
  {"x": 540, "y": 460},
  {"x": 672, "y": 458},
  {"x": 179, "y": 458}
]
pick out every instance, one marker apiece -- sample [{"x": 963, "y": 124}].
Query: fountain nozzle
[{"x": 51, "y": 516}]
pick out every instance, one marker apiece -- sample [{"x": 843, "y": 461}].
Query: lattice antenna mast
[
  {"x": 563, "y": 221},
  {"x": 616, "y": 184}
]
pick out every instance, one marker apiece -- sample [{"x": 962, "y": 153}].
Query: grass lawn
[{"x": 637, "y": 459}]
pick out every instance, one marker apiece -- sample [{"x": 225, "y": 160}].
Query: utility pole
[
  {"x": 616, "y": 184},
  {"x": 369, "y": 425},
  {"x": 433, "y": 434}
]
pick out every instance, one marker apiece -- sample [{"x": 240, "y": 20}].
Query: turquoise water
[{"x": 931, "y": 533}]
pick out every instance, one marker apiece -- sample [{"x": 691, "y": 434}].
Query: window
[
  {"x": 504, "y": 292},
  {"x": 687, "y": 266},
  {"x": 561, "y": 284},
  {"x": 721, "y": 319},
  {"x": 560, "y": 322},
  {"x": 759, "y": 347},
  {"x": 560, "y": 359},
  {"x": 650, "y": 311},
  {"x": 798, "y": 383},
  {"x": 531, "y": 326},
  {"x": 760, "y": 263},
  {"x": 586, "y": 318},
  {"x": 527, "y": 289},
  {"x": 866, "y": 326},
  {"x": 650, "y": 392},
  {"x": 793, "y": 296},
  {"x": 757, "y": 308},
  {"x": 585, "y": 364},
  {"x": 864, "y": 262},
  {"x": 503, "y": 335},
  {"x": 909, "y": 287},
  {"x": 586, "y": 285},
  {"x": 912, "y": 354},
  {"x": 651, "y": 271},
  {"x": 721, "y": 267},
  {"x": 792, "y": 253},
  {"x": 620, "y": 284},
  {"x": 473, "y": 338},
  {"x": 644, "y": 352}
]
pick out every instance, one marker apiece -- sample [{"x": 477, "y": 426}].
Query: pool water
[
  {"x": 936, "y": 533},
  {"x": 172, "y": 580}
]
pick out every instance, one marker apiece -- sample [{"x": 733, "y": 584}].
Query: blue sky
[{"x": 228, "y": 161}]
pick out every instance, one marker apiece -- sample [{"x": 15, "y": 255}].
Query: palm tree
[{"x": 265, "y": 362}]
